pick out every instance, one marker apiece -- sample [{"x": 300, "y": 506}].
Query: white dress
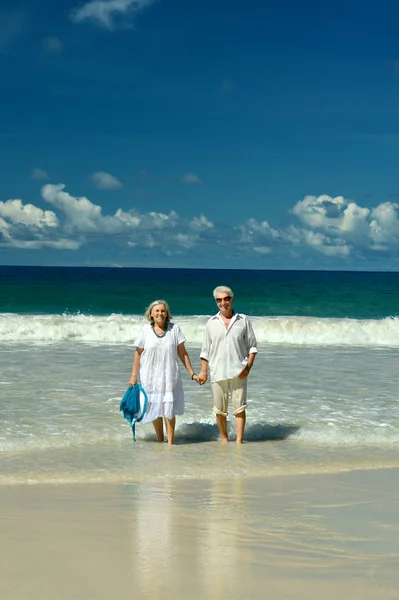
[{"x": 159, "y": 372}]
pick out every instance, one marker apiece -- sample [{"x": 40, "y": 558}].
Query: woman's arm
[
  {"x": 136, "y": 366},
  {"x": 184, "y": 357}
]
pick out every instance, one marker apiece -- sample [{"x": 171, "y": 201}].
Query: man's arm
[
  {"x": 252, "y": 351},
  {"x": 204, "y": 356},
  {"x": 245, "y": 372},
  {"x": 203, "y": 376}
]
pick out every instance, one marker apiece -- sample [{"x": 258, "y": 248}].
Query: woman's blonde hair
[{"x": 148, "y": 316}]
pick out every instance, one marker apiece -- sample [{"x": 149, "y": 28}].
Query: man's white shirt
[{"x": 227, "y": 349}]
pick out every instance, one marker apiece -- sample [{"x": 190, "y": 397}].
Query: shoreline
[
  {"x": 122, "y": 464},
  {"x": 296, "y": 536}
]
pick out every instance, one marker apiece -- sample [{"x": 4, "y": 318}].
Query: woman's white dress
[{"x": 159, "y": 372}]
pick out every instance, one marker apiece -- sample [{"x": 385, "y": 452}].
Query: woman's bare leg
[
  {"x": 170, "y": 429},
  {"x": 158, "y": 426}
]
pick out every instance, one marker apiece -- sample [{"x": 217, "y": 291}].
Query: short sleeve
[
  {"x": 179, "y": 335},
  {"x": 139, "y": 341}
]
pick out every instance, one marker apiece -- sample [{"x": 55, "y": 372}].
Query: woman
[{"x": 158, "y": 347}]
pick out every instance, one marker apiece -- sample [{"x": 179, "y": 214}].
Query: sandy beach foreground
[{"x": 308, "y": 536}]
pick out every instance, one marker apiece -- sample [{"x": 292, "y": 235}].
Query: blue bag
[{"x": 134, "y": 405}]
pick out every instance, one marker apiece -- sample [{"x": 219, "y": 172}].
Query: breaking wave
[{"x": 122, "y": 329}]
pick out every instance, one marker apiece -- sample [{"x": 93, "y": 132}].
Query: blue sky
[{"x": 209, "y": 134}]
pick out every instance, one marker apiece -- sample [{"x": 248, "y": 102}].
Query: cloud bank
[{"x": 335, "y": 229}]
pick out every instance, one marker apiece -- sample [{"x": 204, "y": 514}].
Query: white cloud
[
  {"x": 262, "y": 249},
  {"x": 149, "y": 242},
  {"x": 52, "y": 44},
  {"x": 186, "y": 240},
  {"x": 85, "y": 217},
  {"x": 160, "y": 220},
  {"x": 329, "y": 214},
  {"x": 333, "y": 227},
  {"x": 39, "y": 174},
  {"x": 253, "y": 230},
  {"x": 321, "y": 211},
  {"x": 131, "y": 220},
  {"x": 354, "y": 219},
  {"x": 4, "y": 228},
  {"x": 105, "y": 181},
  {"x": 348, "y": 226},
  {"x": 82, "y": 215},
  {"x": 200, "y": 223},
  {"x": 63, "y": 244},
  {"x": 190, "y": 178},
  {"x": 26, "y": 226},
  {"x": 325, "y": 245},
  {"x": 27, "y": 214},
  {"x": 104, "y": 12},
  {"x": 384, "y": 225}
]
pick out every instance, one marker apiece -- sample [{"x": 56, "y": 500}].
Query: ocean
[{"x": 323, "y": 394}]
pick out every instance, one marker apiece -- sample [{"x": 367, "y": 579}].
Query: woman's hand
[
  {"x": 133, "y": 380},
  {"x": 197, "y": 379}
]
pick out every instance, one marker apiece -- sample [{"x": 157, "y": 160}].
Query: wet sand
[{"x": 306, "y": 537}]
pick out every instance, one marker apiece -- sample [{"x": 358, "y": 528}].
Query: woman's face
[{"x": 158, "y": 313}]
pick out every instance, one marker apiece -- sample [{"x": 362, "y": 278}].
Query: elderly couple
[{"x": 229, "y": 346}]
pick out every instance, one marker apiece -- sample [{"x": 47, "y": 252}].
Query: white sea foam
[{"x": 122, "y": 329}]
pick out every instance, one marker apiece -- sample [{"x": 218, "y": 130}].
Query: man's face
[{"x": 224, "y": 302}]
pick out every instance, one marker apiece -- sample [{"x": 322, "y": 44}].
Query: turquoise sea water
[
  {"x": 323, "y": 394},
  {"x": 102, "y": 291}
]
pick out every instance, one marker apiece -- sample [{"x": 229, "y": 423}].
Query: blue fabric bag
[{"x": 134, "y": 405}]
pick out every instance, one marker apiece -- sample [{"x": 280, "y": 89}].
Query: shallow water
[{"x": 311, "y": 409}]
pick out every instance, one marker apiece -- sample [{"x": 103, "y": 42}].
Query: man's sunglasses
[{"x": 225, "y": 299}]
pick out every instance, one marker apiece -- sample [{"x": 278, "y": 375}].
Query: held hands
[{"x": 202, "y": 377}]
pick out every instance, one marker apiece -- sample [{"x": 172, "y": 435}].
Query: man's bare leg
[
  {"x": 221, "y": 420},
  {"x": 170, "y": 429},
  {"x": 240, "y": 426},
  {"x": 158, "y": 426}
]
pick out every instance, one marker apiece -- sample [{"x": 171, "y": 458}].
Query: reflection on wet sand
[
  {"x": 198, "y": 547},
  {"x": 223, "y": 557},
  {"x": 232, "y": 538}
]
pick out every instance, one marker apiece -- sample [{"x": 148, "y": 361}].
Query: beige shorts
[{"x": 238, "y": 391}]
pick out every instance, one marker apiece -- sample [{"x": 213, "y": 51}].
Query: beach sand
[{"x": 316, "y": 536}]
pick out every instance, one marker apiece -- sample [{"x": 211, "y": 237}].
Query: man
[{"x": 229, "y": 346}]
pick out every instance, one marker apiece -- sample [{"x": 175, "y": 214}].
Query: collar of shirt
[{"x": 234, "y": 318}]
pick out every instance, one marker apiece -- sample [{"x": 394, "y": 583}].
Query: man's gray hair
[{"x": 223, "y": 289}]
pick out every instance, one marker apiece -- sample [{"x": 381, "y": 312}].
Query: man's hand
[{"x": 244, "y": 373}]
